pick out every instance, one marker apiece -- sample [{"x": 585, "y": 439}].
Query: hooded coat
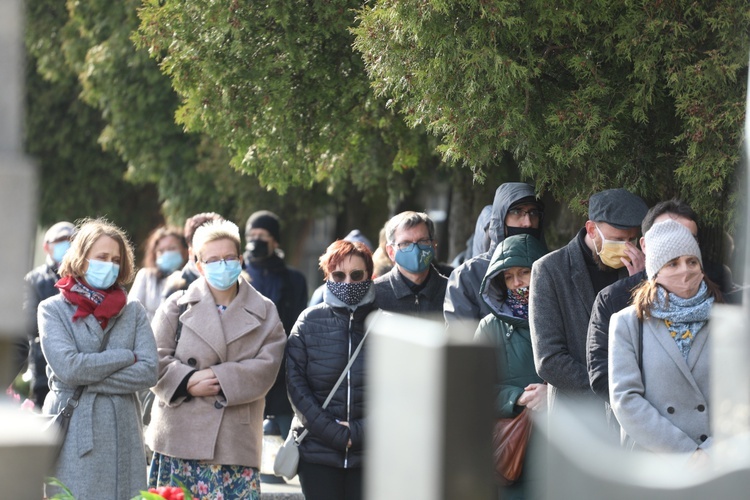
[
  {"x": 509, "y": 334},
  {"x": 463, "y": 306}
]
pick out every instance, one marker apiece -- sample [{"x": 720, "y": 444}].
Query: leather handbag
[
  {"x": 509, "y": 441},
  {"x": 287, "y": 458}
]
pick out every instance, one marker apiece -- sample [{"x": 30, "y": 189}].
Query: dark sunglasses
[{"x": 339, "y": 276}]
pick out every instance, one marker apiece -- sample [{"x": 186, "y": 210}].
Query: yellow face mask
[{"x": 612, "y": 252}]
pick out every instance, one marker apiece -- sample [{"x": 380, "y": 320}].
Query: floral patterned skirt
[{"x": 205, "y": 481}]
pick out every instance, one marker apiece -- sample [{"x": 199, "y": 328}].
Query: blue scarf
[{"x": 684, "y": 317}]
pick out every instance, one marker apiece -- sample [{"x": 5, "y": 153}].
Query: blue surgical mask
[
  {"x": 417, "y": 259},
  {"x": 169, "y": 261},
  {"x": 100, "y": 274},
  {"x": 59, "y": 250},
  {"x": 222, "y": 274}
]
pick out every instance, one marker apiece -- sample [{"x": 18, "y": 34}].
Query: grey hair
[{"x": 407, "y": 220}]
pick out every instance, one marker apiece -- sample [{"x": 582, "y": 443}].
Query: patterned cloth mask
[
  {"x": 349, "y": 293},
  {"x": 518, "y": 301}
]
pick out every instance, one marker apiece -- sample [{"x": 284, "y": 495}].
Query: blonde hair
[
  {"x": 87, "y": 232},
  {"x": 215, "y": 230}
]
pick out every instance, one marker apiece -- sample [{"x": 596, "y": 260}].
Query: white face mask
[{"x": 611, "y": 252}]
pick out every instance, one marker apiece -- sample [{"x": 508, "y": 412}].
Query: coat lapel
[
  {"x": 202, "y": 317},
  {"x": 579, "y": 275},
  {"x": 245, "y": 313},
  {"x": 670, "y": 347}
]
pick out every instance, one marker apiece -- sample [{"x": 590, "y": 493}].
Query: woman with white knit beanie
[{"x": 659, "y": 350}]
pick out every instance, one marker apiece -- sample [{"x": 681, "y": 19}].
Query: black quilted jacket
[{"x": 317, "y": 352}]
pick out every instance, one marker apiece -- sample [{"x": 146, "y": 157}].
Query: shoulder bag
[
  {"x": 287, "y": 458},
  {"x": 509, "y": 441}
]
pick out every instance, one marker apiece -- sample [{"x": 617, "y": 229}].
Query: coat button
[
  {"x": 703, "y": 437},
  {"x": 218, "y": 405},
  {"x": 192, "y": 362},
  {"x": 670, "y": 410},
  {"x": 701, "y": 408}
]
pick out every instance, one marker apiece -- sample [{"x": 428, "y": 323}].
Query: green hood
[{"x": 516, "y": 251}]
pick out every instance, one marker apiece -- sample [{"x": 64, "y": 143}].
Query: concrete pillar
[{"x": 430, "y": 413}]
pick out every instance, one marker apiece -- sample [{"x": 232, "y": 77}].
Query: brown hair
[
  {"x": 87, "y": 232},
  {"x": 644, "y": 296},
  {"x": 340, "y": 250},
  {"x": 161, "y": 232}
]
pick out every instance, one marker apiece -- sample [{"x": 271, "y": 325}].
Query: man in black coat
[
  {"x": 413, "y": 286},
  {"x": 284, "y": 286},
  {"x": 40, "y": 285}
]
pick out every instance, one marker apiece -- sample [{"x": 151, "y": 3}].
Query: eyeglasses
[
  {"x": 225, "y": 260},
  {"x": 519, "y": 213},
  {"x": 408, "y": 246},
  {"x": 339, "y": 276}
]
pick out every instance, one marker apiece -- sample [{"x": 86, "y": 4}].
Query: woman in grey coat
[
  {"x": 659, "y": 353},
  {"x": 103, "y": 454}
]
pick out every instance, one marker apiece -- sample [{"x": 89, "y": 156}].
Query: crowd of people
[{"x": 211, "y": 340}]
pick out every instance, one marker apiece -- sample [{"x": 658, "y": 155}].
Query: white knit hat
[{"x": 668, "y": 240}]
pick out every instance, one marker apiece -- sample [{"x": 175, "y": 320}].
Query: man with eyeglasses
[
  {"x": 564, "y": 284},
  {"x": 413, "y": 286},
  {"x": 515, "y": 210}
]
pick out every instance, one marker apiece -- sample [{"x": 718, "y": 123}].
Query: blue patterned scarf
[{"x": 684, "y": 317}]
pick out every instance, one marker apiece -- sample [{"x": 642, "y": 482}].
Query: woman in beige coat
[{"x": 207, "y": 423}]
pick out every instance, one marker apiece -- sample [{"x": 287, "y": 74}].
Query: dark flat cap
[{"x": 618, "y": 208}]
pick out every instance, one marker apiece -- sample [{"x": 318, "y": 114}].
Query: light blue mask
[
  {"x": 101, "y": 275},
  {"x": 417, "y": 259},
  {"x": 222, "y": 274},
  {"x": 59, "y": 250},
  {"x": 169, "y": 261}
]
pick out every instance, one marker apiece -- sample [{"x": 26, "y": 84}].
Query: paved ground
[{"x": 281, "y": 491}]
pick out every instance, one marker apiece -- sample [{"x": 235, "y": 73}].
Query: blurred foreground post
[
  {"x": 25, "y": 451},
  {"x": 430, "y": 413}
]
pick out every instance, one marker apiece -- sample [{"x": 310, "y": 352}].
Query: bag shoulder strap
[
  {"x": 180, "y": 312},
  {"x": 344, "y": 372}
]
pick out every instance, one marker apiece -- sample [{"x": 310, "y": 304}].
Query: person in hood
[
  {"x": 515, "y": 210},
  {"x": 286, "y": 287},
  {"x": 317, "y": 352},
  {"x": 505, "y": 290},
  {"x": 479, "y": 241}
]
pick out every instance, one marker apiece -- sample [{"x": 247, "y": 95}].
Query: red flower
[{"x": 169, "y": 492}]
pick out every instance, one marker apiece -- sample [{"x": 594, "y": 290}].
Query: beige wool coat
[{"x": 244, "y": 346}]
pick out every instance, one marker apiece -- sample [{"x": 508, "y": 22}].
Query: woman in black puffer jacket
[{"x": 318, "y": 350}]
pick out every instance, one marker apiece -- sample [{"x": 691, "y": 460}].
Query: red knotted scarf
[{"x": 103, "y": 304}]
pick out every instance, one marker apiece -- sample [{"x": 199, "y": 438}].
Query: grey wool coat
[
  {"x": 243, "y": 346},
  {"x": 664, "y": 408},
  {"x": 103, "y": 454},
  {"x": 560, "y": 302}
]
